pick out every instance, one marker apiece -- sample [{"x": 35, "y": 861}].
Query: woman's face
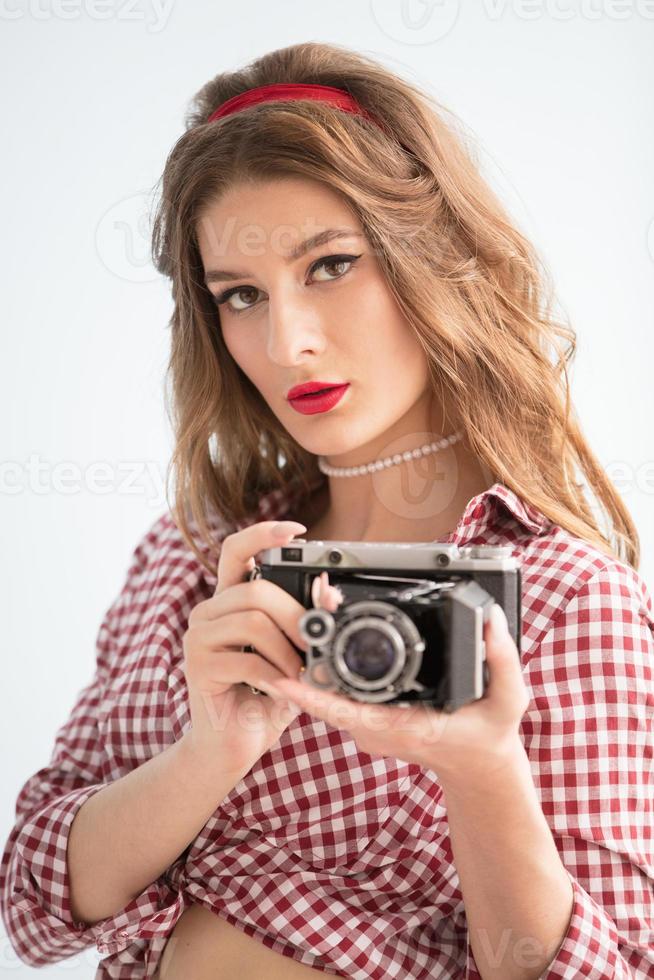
[{"x": 290, "y": 319}]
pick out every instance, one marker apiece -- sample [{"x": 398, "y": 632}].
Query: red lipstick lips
[
  {"x": 311, "y": 387},
  {"x": 316, "y": 396}
]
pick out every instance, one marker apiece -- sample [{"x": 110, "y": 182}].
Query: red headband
[{"x": 291, "y": 90}]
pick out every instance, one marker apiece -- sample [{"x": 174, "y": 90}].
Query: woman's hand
[
  {"x": 228, "y": 720},
  {"x": 480, "y": 737}
]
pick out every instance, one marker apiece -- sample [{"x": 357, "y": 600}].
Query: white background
[{"x": 558, "y": 95}]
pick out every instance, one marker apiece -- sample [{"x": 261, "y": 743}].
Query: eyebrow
[{"x": 223, "y": 275}]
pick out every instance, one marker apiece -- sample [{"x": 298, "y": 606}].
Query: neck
[{"x": 421, "y": 500}]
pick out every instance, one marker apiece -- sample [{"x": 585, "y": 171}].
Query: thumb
[{"x": 506, "y": 686}]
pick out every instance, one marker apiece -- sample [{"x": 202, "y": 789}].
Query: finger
[
  {"x": 280, "y": 606},
  {"x": 324, "y": 595},
  {"x": 368, "y": 723},
  {"x": 234, "y": 668},
  {"x": 337, "y": 711},
  {"x": 316, "y": 588},
  {"x": 238, "y": 549},
  {"x": 250, "y": 628},
  {"x": 330, "y": 595}
]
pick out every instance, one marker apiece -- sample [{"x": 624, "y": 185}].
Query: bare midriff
[{"x": 203, "y": 946}]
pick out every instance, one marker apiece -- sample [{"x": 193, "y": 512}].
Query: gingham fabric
[{"x": 336, "y": 858}]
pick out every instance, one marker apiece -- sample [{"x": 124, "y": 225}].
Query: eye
[{"x": 236, "y": 291}]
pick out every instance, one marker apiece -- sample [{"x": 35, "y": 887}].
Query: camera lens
[
  {"x": 316, "y": 626},
  {"x": 369, "y": 653}
]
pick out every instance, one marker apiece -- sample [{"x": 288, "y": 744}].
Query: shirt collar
[{"x": 490, "y": 508}]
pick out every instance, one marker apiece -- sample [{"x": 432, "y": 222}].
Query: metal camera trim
[{"x": 397, "y": 626}]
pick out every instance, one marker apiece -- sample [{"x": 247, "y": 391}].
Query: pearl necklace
[{"x": 430, "y": 447}]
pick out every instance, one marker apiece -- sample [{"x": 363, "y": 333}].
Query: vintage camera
[{"x": 410, "y": 627}]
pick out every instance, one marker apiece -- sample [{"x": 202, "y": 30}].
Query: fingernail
[
  {"x": 498, "y": 621},
  {"x": 268, "y": 687},
  {"x": 338, "y": 594},
  {"x": 284, "y": 528}
]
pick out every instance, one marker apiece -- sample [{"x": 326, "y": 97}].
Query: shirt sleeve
[
  {"x": 34, "y": 883},
  {"x": 589, "y": 736}
]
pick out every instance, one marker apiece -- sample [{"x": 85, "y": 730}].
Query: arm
[
  {"x": 36, "y": 900},
  {"x": 127, "y": 835},
  {"x": 556, "y": 866},
  {"x": 516, "y": 892}
]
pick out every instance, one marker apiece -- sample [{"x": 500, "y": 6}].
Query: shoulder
[
  {"x": 572, "y": 591},
  {"x": 565, "y": 580},
  {"x": 587, "y": 655},
  {"x": 162, "y": 554},
  {"x": 165, "y": 579},
  {"x": 163, "y": 551}
]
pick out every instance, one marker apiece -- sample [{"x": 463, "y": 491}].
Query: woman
[{"x": 322, "y": 222}]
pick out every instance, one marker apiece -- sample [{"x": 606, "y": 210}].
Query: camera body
[{"x": 410, "y": 628}]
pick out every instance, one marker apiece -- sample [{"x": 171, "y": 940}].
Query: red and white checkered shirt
[{"x": 349, "y": 869}]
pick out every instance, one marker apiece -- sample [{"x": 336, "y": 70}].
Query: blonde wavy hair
[{"x": 471, "y": 287}]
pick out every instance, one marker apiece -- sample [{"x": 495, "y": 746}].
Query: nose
[{"x": 295, "y": 329}]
